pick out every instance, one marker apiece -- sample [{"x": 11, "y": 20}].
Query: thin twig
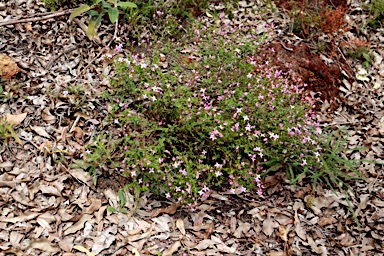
[
  {"x": 286, "y": 48},
  {"x": 56, "y": 14}
]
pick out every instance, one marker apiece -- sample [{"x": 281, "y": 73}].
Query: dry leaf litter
[{"x": 48, "y": 208}]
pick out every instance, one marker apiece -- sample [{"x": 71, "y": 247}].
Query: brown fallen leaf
[
  {"x": 28, "y": 27},
  {"x": 204, "y": 244},
  {"x": 172, "y": 249},
  {"x": 268, "y": 225},
  {"x": 82, "y": 249},
  {"x": 346, "y": 239},
  {"x": 139, "y": 237},
  {"x": 15, "y": 119},
  {"x": 78, "y": 133},
  {"x": 283, "y": 233},
  {"x": 95, "y": 205},
  {"x": 300, "y": 231},
  {"x": 323, "y": 221},
  {"x": 168, "y": 210},
  {"x": 44, "y": 245},
  {"x": 315, "y": 248},
  {"x": 40, "y": 131},
  {"x": 66, "y": 244},
  {"x": 180, "y": 226},
  {"x": 6, "y": 183},
  {"x": 27, "y": 216},
  {"x": 210, "y": 229},
  {"x": 49, "y": 190},
  {"x": 15, "y": 238},
  {"x": 79, "y": 225},
  {"x": 47, "y": 116},
  {"x": 243, "y": 229},
  {"x": 100, "y": 213},
  {"x": 276, "y": 253}
]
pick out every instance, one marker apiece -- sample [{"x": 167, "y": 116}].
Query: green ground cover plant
[
  {"x": 376, "y": 7},
  {"x": 54, "y": 5},
  {"x": 362, "y": 53},
  {"x": 7, "y": 132},
  {"x": 216, "y": 118},
  {"x": 110, "y": 7},
  {"x": 162, "y": 19}
]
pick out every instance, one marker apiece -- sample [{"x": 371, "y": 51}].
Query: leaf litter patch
[{"x": 48, "y": 208}]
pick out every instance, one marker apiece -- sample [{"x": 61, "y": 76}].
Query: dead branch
[{"x": 55, "y": 14}]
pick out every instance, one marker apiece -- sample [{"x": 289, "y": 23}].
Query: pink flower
[
  {"x": 241, "y": 190},
  {"x": 182, "y": 171},
  {"x": 217, "y": 165}
]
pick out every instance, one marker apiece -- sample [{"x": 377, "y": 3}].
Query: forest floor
[{"x": 50, "y": 208}]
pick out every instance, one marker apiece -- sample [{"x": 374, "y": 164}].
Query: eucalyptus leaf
[{"x": 80, "y": 10}]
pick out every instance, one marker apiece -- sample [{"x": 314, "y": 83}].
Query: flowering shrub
[{"x": 216, "y": 118}]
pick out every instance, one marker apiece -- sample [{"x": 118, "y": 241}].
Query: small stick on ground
[{"x": 56, "y": 14}]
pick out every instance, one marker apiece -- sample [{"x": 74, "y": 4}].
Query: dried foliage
[
  {"x": 333, "y": 19},
  {"x": 49, "y": 209}
]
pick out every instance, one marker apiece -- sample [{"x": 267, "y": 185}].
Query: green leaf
[
  {"x": 93, "y": 13},
  {"x": 92, "y": 28},
  {"x": 113, "y": 14},
  {"x": 98, "y": 20},
  {"x": 94, "y": 180},
  {"x": 78, "y": 11},
  {"x": 121, "y": 197},
  {"x": 126, "y": 5},
  {"x": 366, "y": 56},
  {"x": 106, "y": 5},
  {"x": 111, "y": 209},
  {"x": 95, "y": 3}
]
